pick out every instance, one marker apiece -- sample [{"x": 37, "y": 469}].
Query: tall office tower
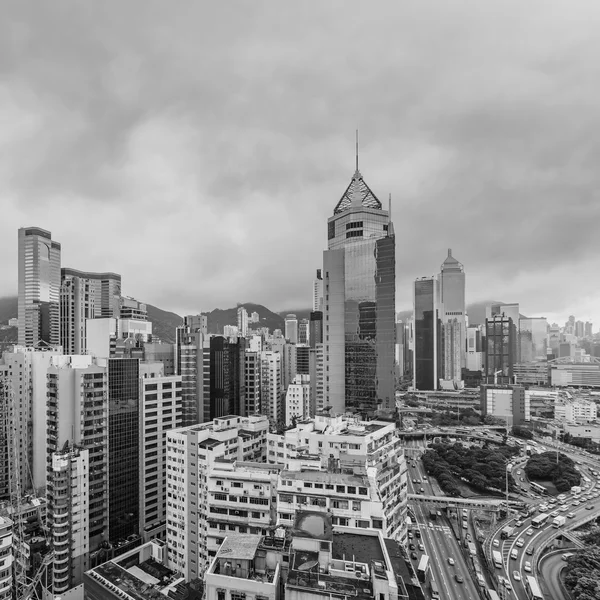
[
  {"x": 227, "y": 378},
  {"x": 453, "y": 315},
  {"x": 160, "y": 411},
  {"x": 271, "y": 388},
  {"x": 315, "y": 328},
  {"x": 554, "y": 337},
  {"x": 189, "y": 341},
  {"x": 77, "y": 443},
  {"x": 124, "y": 445},
  {"x": 579, "y": 329},
  {"x": 252, "y": 382},
  {"x": 510, "y": 403},
  {"x": 508, "y": 310},
  {"x": 242, "y": 321},
  {"x": 289, "y": 362},
  {"x": 427, "y": 364},
  {"x": 500, "y": 350},
  {"x": 570, "y": 325},
  {"x": 359, "y": 281},
  {"x": 23, "y": 378},
  {"x": 297, "y": 399},
  {"x": 533, "y": 339},
  {"x": 315, "y": 372},
  {"x": 39, "y": 287},
  {"x": 68, "y": 515},
  {"x": 302, "y": 359},
  {"x": 130, "y": 308},
  {"x": 303, "y": 331},
  {"x": 317, "y": 303},
  {"x": 85, "y": 296},
  {"x": 291, "y": 329},
  {"x": 588, "y": 329},
  {"x": 192, "y": 453},
  {"x": 164, "y": 353},
  {"x": 474, "y": 348}
]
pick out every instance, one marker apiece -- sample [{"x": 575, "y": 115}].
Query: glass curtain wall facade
[
  {"x": 533, "y": 339},
  {"x": 427, "y": 330},
  {"x": 359, "y": 304},
  {"x": 227, "y": 377},
  {"x": 39, "y": 287},
  {"x": 124, "y": 446},
  {"x": 500, "y": 349}
]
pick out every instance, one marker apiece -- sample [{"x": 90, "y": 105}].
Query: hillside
[
  {"x": 301, "y": 313},
  {"x": 218, "y": 317},
  {"x": 8, "y": 308}
]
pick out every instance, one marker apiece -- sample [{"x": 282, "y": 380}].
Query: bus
[
  {"x": 497, "y": 559},
  {"x": 540, "y": 489},
  {"x": 423, "y": 568},
  {"x": 540, "y": 520},
  {"x": 533, "y": 589},
  {"x": 435, "y": 593}
]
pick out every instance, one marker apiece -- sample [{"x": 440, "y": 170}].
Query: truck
[
  {"x": 497, "y": 559},
  {"x": 472, "y": 549},
  {"x": 432, "y": 515},
  {"x": 559, "y": 521},
  {"x": 507, "y": 532}
]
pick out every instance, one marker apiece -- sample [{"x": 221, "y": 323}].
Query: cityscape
[{"x": 405, "y": 406}]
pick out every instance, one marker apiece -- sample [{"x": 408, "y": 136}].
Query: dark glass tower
[
  {"x": 500, "y": 349},
  {"x": 426, "y": 359},
  {"x": 227, "y": 377},
  {"x": 359, "y": 297},
  {"x": 123, "y": 447}
]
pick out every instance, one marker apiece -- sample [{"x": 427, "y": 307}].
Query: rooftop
[
  {"x": 239, "y": 546},
  {"x": 357, "y": 194},
  {"x": 355, "y": 547},
  {"x": 313, "y": 524},
  {"x": 326, "y": 477}
]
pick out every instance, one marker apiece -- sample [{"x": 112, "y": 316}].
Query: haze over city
[{"x": 199, "y": 152}]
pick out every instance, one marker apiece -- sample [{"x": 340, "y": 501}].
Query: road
[
  {"x": 550, "y": 569},
  {"x": 439, "y": 542}
]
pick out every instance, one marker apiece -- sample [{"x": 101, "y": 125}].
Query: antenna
[
  {"x": 390, "y": 206},
  {"x": 357, "y": 150}
]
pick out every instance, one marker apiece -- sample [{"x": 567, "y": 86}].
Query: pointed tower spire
[{"x": 357, "y": 150}]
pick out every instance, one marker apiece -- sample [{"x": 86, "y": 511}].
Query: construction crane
[{"x": 25, "y": 588}]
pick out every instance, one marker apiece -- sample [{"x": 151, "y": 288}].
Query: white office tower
[
  {"x": 39, "y": 288},
  {"x": 291, "y": 329},
  {"x": 573, "y": 410},
  {"x": 160, "y": 411},
  {"x": 242, "y": 321},
  {"x": 297, "y": 399},
  {"x": 317, "y": 301},
  {"x": 68, "y": 515},
  {"x": 271, "y": 388},
  {"x": 453, "y": 316},
  {"x": 192, "y": 453},
  {"x": 319, "y": 455}
]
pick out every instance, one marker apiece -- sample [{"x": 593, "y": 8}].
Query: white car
[
  {"x": 496, "y": 543},
  {"x": 516, "y": 576},
  {"x": 520, "y": 542},
  {"x": 530, "y": 531},
  {"x": 527, "y": 567},
  {"x": 451, "y": 561}
]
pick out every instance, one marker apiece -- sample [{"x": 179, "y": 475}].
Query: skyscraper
[
  {"x": 39, "y": 287},
  {"x": 317, "y": 301},
  {"x": 242, "y": 321},
  {"x": 427, "y": 330},
  {"x": 454, "y": 331},
  {"x": 359, "y": 284},
  {"x": 500, "y": 349},
  {"x": 291, "y": 329},
  {"x": 533, "y": 339}
]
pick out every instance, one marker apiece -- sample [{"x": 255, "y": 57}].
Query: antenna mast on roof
[{"x": 357, "y": 150}]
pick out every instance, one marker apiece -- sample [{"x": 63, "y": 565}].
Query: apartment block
[
  {"x": 161, "y": 409},
  {"x": 252, "y": 372},
  {"x": 6, "y": 558},
  {"x": 575, "y": 410},
  {"x": 192, "y": 452},
  {"x": 297, "y": 399},
  {"x": 271, "y": 386}
]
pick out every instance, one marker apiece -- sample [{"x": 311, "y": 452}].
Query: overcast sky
[{"x": 198, "y": 148}]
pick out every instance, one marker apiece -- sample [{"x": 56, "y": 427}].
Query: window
[{"x": 238, "y": 596}]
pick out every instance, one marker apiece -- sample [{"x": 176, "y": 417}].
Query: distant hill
[
  {"x": 218, "y": 318},
  {"x": 8, "y": 309},
  {"x": 301, "y": 313}
]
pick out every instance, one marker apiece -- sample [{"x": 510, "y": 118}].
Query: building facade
[
  {"x": 39, "y": 287},
  {"x": 508, "y": 402},
  {"x": 500, "y": 350},
  {"x": 427, "y": 362},
  {"x": 297, "y": 399}
]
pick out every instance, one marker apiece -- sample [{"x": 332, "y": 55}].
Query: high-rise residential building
[
  {"x": 315, "y": 371},
  {"x": 297, "y": 399},
  {"x": 453, "y": 316},
  {"x": 191, "y": 338},
  {"x": 500, "y": 350},
  {"x": 289, "y": 358},
  {"x": 579, "y": 329},
  {"x": 291, "y": 329},
  {"x": 124, "y": 445},
  {"x": 588, "y": 329},
  {"x": 271, "y": 387},
  {"x": 363, "y": 461},
  {"x": 359, "y": 280},
  {"x": 533, "y": 339},
  {"x": 39, "y": 287},
  {"x": 192, "y": 453},
  {"x": 252, "y": 372},
  {"x": 77, "y": 444},
  {"x": 254, "y": 317},
  {"x": 315, "y": 328},
  {"x": 474, "y": 348},
  {"x": 130, "y": 308},
  {"x": 427, "y": 362},
  {"x": 231, "y": 331},
  {"x": 242, "y": 321},
  {"x": 317, "y": 300},
  {"x": 303, "y": 331},
  {"x": 508, "y": 402},
  {"x": 6, "y": 550},
  {"x": 160, "y": 411},
  {"x": 83, "y": 296}
]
